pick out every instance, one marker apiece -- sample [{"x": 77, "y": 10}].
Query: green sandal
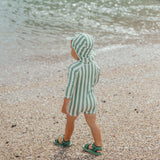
[
  {"x": 64, "y": 143},
  {"x": 93, "y": 150}
]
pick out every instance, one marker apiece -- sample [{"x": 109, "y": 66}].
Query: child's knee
[
  {"x": 71, "y": 119},
  {"x": 93, "y": 125},
  {"x": 91, "y": 122}
]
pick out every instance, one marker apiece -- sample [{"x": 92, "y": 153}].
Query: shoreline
[{"x": 128, "y": 107}]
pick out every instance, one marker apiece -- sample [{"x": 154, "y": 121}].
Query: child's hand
[
  {"x": 64, "y": 109},
  {"x": 65, "y": 106}
]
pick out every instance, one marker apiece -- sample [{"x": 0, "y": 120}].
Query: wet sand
[{"x": 128, "y": 94}]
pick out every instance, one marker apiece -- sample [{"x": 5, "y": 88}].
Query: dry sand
[{"x": 31, "y": 96}]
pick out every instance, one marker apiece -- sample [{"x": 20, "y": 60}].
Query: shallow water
[{"x": 32, "y": 27}]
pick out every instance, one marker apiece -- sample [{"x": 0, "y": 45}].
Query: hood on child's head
[{"x": 83, "y": 46}]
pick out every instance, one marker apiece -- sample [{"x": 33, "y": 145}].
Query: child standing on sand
[{"x": 83, "y": 75}]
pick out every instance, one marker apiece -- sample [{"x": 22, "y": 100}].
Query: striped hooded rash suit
[{"x": 83, "y": 75}]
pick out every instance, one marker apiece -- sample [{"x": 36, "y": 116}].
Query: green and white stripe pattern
[{"x": 83, "y": 75}]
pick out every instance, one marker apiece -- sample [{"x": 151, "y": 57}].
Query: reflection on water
[{"x": 46, "y": 23}]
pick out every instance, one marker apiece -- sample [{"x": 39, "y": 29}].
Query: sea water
[{"x": 42, "y": 27}]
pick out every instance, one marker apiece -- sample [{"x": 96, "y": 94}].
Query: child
[{"x": 79, "y": 96}]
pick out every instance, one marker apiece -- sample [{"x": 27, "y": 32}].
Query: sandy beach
[{"x": 128, "y": 94}]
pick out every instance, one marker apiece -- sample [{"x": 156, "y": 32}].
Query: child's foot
[
  {"x": 92, "y": 148},
  {"x": 60, "y": 141}
]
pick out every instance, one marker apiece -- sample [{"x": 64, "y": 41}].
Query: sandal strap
[
  {"x": 64, "y": 143},
  {"x": 96, "y": 148},
  {"x": 87, "y": 145}
]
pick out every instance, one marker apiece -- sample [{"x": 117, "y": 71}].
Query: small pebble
[
  {"x": 77, "y": 153},
  {"x": 136, "y": 110},
  {"x": 13, "y": 125},
  {"x": 17, "y": 156}
]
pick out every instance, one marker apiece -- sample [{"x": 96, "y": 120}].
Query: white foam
[{"x": 111, "y": 47}]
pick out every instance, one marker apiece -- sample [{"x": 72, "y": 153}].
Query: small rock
[
  {"x": 17, "y": 156},
  {"x": 136, "y": 110},
  {"x": 13, "y": 125},
  {"x": 77, "y": 153},
  {"x": 129, "y": 93},
  {"x": 7, "y": 142},
  {"x": 104, "y": 101},
  {"x": 56, "y": 122}
]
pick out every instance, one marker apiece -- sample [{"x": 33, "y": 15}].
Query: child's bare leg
[
  {"x": 96, "y": 132},
  {"x": 69, "y": 127}
]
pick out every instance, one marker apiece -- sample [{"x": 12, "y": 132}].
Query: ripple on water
[{"x": 46, "y": 24}]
